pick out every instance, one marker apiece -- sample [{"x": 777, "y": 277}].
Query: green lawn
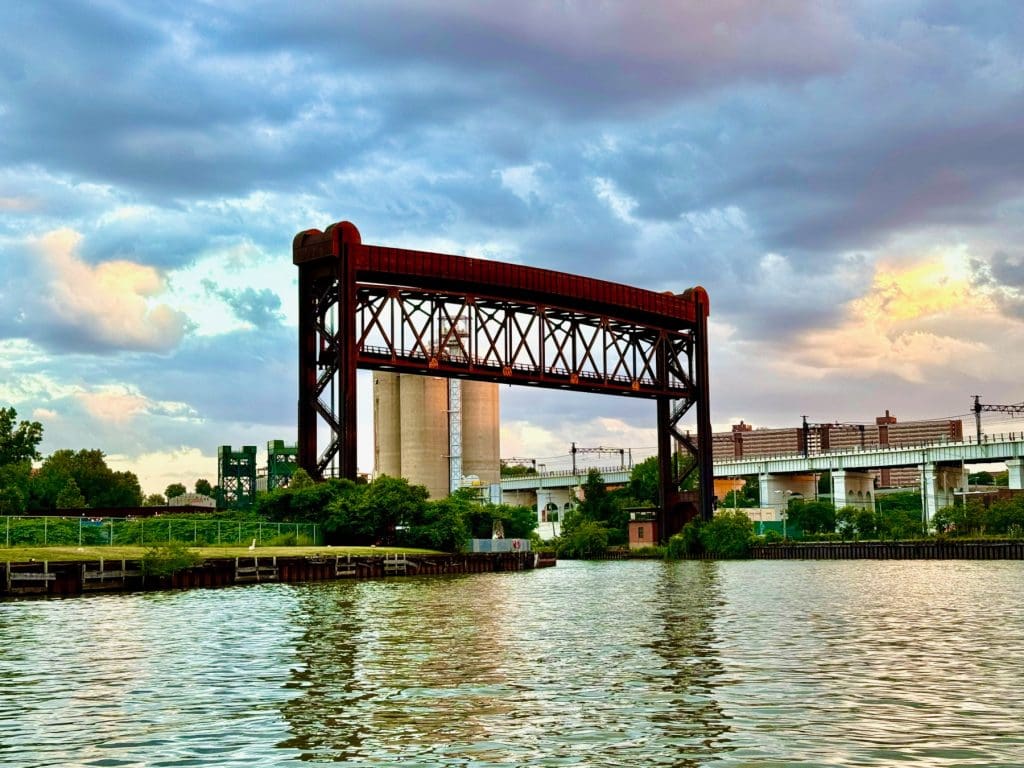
[{"x": 74, "y": 554}]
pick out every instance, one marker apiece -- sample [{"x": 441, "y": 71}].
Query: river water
[{"x": 638, "y": 663}]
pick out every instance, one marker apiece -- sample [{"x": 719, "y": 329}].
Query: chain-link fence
[{"x": 99, "y": 531}]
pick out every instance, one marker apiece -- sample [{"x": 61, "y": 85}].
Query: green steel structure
[
  {"x": 236, "y": 476},
  {"x": 282, "y": 460}
]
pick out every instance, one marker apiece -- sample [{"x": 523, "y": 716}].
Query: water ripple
[{"x": 610, "y": 664}]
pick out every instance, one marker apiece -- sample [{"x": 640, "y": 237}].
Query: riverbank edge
[
  {"x": 76, "y": 577},
  {"x": 950, "y": 549}
]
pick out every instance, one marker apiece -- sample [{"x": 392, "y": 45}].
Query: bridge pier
[
  {"x": 1013, "y": 467},
  {"x": 777, "y": 490},
  {"x": 938, "y": 488},
  {"x": 853, "y": 489}
]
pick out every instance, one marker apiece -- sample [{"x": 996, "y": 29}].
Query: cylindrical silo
[
  {"x": 387, "y": 424},
  {"x": 411, "y": 430},
  {"x": 424, "y": 432},
  {"x": 481, "y": 445}
]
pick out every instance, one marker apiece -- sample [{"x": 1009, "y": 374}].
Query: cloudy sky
[{"x": 845, "y": 178}]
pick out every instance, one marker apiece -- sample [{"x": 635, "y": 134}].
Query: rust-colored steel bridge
[{"x": 369, "y": 306}]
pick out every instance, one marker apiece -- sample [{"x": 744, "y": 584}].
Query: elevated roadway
[{"x": 942, "y": 468}]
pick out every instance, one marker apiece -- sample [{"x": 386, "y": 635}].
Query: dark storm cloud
[
  {"x": 149, "y": 102},
  {"x": 585, "y": 59}
]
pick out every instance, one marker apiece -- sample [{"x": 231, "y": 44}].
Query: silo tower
[{"x": 434, "y": 431}]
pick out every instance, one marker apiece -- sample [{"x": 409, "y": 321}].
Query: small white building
[{"x": 193, "y": 500}]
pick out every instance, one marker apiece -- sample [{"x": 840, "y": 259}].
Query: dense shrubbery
[
  {"x": 728, "y": 535},
  {"x": 392, "y": 511},
  {"x": 1003, "y": 517}
]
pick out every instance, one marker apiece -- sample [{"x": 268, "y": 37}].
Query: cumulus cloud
[
  {"x": 913, "y": 323},
  {"x": 259, "y": 308},
  {"x": 107, "y": 306},
  {"x": 1002, "y": 278},
  {"x": 158, "y": 469}
]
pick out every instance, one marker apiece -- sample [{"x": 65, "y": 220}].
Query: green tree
[
  {"x": 898, "y": 523},
  {"x": 203, "y": 487},
  {"x": 601, "y": 507},
  {"x": 846, "y": 524},
  {"x": 70, "y": 496},
  {"x": 123, "y": 490},
  {"x": 516, "y": 470},
  {"x": 747, "y": 496},
  {"x": 686, "y": 467},
  {"x": 440, "y": 525},
  {"x": 154, "y": 500},
  {"x": 865, "y": 522},
  {"x": 15, "y": 481},
  {"x": 300, "y": 479},
  {"x": 347, "y": 519},
  {"x": 812, "y": 516},
  {"x": 388, "y": 503},
  {"x": 1004, "y": 516},
  {"x": 727, "y": 535},
  {"x": 981, "y": 478},
  {"x": 99, "y": 485},
  {"x": 12, "y": 500},
  {"x": 584, "y": 538},
  {"x": 175, "y": 489},
  {"x": 687, "y": 543},
  {"x": 644, "y": 483},
  {"x": 19, "y": 440}
]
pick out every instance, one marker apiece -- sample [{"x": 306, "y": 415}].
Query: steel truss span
[{"x": 365, "y": 306}]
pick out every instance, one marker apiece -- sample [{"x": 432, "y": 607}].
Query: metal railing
[{"x": 45, "y": 531}]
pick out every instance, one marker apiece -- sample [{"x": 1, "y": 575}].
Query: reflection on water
[
  {"x": 568, "y": 664},
  {"x": 632, "y": 663}
]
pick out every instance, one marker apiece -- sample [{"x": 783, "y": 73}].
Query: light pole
[{"x": 784, "y": 510}]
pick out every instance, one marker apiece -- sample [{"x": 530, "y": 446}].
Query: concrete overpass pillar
[
  {"x": 939, "y": 485},
  {"x": 853, "y": 489},
  {"x": 777, "y": 490},
  {"x": 1013, "y": 466}
]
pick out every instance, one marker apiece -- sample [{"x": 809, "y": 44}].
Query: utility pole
[{"x": 1013, "y": 410}]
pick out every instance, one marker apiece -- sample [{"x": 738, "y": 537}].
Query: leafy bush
[
  {"x": 727, "y": 535},
  {"x": 168, "y": 559},
  {"x": 586, "y": 539},
  {"x": 686, "y": 543}
]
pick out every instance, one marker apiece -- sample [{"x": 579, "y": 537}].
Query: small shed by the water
[{"x": 643, "y": 527}]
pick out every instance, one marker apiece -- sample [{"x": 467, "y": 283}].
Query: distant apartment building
[{"x": 745, "y": 442}]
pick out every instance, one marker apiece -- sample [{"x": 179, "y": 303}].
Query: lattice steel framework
[{"x": 364, "y": 306}]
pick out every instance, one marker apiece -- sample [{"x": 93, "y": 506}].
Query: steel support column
[
  {"x": 705, "y": 448},
  {"x": 667, "y": 488},
  {"x": 348, "y": 353},
  {"x": 307, "y": 452}
]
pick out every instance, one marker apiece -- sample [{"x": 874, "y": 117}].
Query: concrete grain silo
[
  {"x": 481, "y": 444},
  {"x": 413, "y": 435}
]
